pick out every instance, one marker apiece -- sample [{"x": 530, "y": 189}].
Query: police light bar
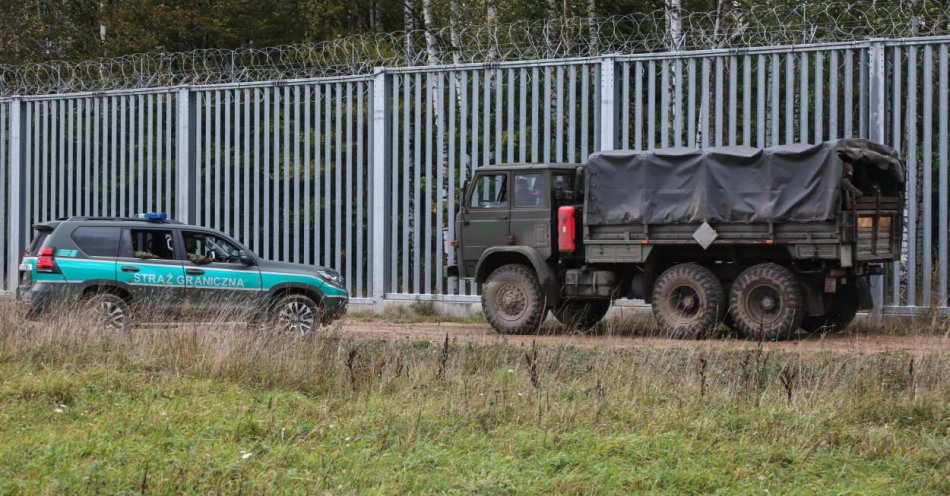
[{"x": 154, "y": 216}]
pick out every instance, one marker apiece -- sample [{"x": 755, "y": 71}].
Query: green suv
[{"x": 149, "y": 268}]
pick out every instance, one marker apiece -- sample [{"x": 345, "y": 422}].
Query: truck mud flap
[{"x": 864, "y": 293}]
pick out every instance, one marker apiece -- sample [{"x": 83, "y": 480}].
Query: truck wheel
[
  {"x": 106, "y": 311},
  {"x": 840, "y": 310},
  {"x": 513, "y": 301},
  {"x": 581, "y": 315},
  {"x": 688, "y": 301},
  {"x": 766, "y": 302}
]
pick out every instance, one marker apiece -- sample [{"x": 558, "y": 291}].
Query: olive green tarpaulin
[{"x": 790, "y": 183}]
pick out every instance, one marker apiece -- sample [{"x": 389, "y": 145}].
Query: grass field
[{"x": 208, "y": 409}]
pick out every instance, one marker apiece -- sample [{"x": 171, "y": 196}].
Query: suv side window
[
  {"x": 147, "y": 244},
  {"x": 97, "y": 241},
  {"x": 490, "y": 191},
  {"x": 203, "y": 247}
]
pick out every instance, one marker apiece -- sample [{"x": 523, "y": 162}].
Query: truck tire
[
  {"x": 766, "y": 302},
  {"x": 688, "y": 301},
  {"x": 581, "y": 315},
  {"x": 840, "y": 310},
  {"x": 513, "y": 301}
]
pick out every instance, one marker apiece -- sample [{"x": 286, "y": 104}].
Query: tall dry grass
[{"x": 559, "y": 379}]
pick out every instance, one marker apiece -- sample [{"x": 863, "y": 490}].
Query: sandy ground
[{"x": 633, "y": 337}]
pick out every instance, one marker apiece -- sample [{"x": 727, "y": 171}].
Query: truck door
[
  {"x": 485, "y": 217},
  {"x": 531, "y": 213}
]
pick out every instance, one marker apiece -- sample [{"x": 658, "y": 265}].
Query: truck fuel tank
[{"x": 590, "y": 283}]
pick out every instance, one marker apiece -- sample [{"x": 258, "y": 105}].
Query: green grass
[{"x": 205, "y": 409}]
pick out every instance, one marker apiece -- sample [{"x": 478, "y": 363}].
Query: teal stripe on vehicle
[
  {"x": 225, "y": 279},
  {"x": 77, "y": 269},
  {"x": 273, "y": 279}
]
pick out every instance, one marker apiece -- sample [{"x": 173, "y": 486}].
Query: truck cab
[{"x": 511, "y": 209}]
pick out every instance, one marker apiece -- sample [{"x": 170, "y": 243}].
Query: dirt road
[{"x": 634, "y": 338}]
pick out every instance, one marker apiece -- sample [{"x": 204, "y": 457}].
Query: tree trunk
[
  {"x": 674, "y": 27},
  {"x": 592, "y": 27},
  {"x": 551, "y": 26},
  {"x": 491, "y": 17},
  {"x": 409, "y": 25},
  {"x": 454, "y": 34},
  {"x": 432, "y": 46}
]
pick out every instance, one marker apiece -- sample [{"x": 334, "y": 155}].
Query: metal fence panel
[
  {"x": 284, "y": 170},
  {"x": 449, "y": 121},
  {"x": 290, "y": 167}
]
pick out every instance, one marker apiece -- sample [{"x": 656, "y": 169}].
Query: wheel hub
[
  {"x": 296, "y": 317},
  {"x": 512, "y": 300},
  {"x": 685, "y": 302}
]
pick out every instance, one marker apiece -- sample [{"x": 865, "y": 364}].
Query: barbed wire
[{"x": 761, "y": 25}]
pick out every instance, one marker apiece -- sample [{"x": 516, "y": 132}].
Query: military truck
[{"x": 768, "y": 241}]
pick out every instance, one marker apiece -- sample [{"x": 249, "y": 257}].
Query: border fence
[{"x": 362, "y": 172}]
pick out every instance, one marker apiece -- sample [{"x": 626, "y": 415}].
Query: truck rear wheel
[
  {"x": 581, "y": 315},
  {"x": 513, "y": 301},
  {"x": 840, "y": 309},
  {"x": 766, "y": 302},
  {"x": 688, "y": 301}
]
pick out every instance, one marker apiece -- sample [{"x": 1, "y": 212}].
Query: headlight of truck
[{"x": 332, "y": 276}]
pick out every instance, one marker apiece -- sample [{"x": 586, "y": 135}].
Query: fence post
[
  {"x": 608, "y": 109},
  {"x": 877, "y": 132},
  {"x": 187, "y": 173},
  {"x": 16, "y": 182},
  {"x": 380, "y": 189}
]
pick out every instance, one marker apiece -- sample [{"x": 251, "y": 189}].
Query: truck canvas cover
[{"x": 791, "y": 183}]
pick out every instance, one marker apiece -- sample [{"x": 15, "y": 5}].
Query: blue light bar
[{"x": 154, "y": 216}]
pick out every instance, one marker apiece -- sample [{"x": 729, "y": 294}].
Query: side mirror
[
  {"x": 464, "y": 193},
  {"x": 247, "y": 259}
]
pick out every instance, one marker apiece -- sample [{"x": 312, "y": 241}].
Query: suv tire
[
  {"x": 513, "y": 301},
  {"x": 581, "y": 315},
  {"x": 109, "y": 312},
  {"x": 688, "y": 301},
  {"x": 294, "y": 314},
  {"x": 766, "y": 302}
]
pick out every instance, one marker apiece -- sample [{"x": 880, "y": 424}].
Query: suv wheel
[
  {"x": 107, "y": 311},
  {"x": 513, "y": 301},
  {"x": 581, "y": 315},
  {"x": 688, "y": 301},
  {"x": 766, "y": 302},
  {"x": 295, "y": 314}
]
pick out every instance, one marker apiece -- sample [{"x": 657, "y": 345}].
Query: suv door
[
  {"x": 531, "y": 217},
  {"x": 484, "y": 218},
  {"x": 216, "y": 280},
  {"x": 150, "y": 267}
]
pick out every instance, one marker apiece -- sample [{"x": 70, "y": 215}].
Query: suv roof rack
[{"x": 120, "y": 219}]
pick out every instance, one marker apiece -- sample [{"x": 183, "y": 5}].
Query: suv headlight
[{"x": 332, "y": 276}]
